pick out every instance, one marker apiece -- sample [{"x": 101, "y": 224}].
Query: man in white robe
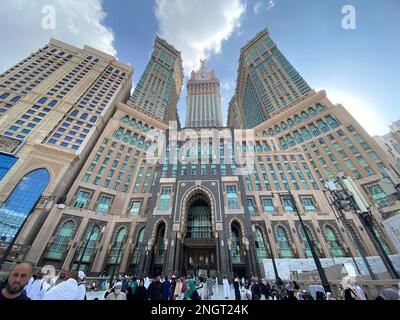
[
  {"x": 66, "y": 290},
  {"x": 81, "y": 286},
  {"x": 227, "y": 288},
  {"x": 36, "y": 288}
]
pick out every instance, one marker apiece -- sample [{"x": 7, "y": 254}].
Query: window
[
  {"x": 334, "y": 244},
  {"x": 135, "y": 208},
  {"x": 104, "y": 204},
  {"x": 285, "y": 249},
  {"x": 61, "y": 240},
  {"x": 288, "y": 204},
  {"x": 250, "y": 206},
  {"x": 308, "y": 204},
  {"x": 232, "y": 197},
  {"x": 261, "y": 250},
  {"x": 194, "y": 169},
  {"x": 164, "y": 198},
  {"x": 268, "y": 205},
  {"x": 21, "y": 201}
]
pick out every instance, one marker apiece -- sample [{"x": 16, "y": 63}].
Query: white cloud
[
  {"x": 197, "y": 28},
  {"x": 258, "y": 6},
  {"x": 76, "y": 22}
]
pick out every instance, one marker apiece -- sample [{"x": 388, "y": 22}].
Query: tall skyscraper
[
  {"x": 54, "y": 105},
  {"x": 203, "y": 101},
  {"x": 267, "y": 83},
  {"x": 158, "y": 90}
]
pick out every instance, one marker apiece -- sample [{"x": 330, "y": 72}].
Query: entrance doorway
[{"x": 199, "y": 246}]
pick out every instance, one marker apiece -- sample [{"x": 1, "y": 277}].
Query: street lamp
[
  {"x": 339, "y": 205},
  {"x": 317, "y": 262},
  {"x": 352, "y": 199},
  {"x": 86, "y": 245},
  {"x": 273, "y": 258}
]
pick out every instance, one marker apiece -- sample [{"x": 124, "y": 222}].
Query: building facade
[{"x": 151, "y": 197}]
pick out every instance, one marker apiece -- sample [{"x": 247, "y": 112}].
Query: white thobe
[{"x": 227, "y": 288}]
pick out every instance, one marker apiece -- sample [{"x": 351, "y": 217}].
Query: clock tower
[{"x": 203, "y": 101}]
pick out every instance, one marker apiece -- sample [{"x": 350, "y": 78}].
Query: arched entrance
[{"x": 199, "y": 246}]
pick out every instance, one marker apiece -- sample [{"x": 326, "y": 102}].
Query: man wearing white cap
[
  {"x": 117, "y": 293},
  {"x": 81, "y": 286}
]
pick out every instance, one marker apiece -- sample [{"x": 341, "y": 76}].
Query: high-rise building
[
  {"x": 203, "y": 101},
  {"x": 267, "y": 83},
  {"x": 54, "y": 105},
  {"x": 190, "y": 203},
  {"x": 158, "y": 90}
]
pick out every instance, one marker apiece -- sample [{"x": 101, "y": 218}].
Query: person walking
[
  {"x": 156, "y": 289},
  {"x": 227, "y": 289},
  {"x": 255, "y": 291},
  {"x": 140, "y": 291},
  {"x": 237, "y": 289}
]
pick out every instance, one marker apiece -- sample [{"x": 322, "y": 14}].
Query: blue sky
[{"x": 358, "y": 68}]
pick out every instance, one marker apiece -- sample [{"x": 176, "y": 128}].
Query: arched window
[
  {"x": 15, "y": 99},
  {"x": 291, "y": 142},
  {"x": 282, "y": 143},
  {"x": 298, "y": 137},
  {"x": 232, "y": 197},
  {"x": 265, "y": 133},
  {"x": 138, "y": 247},
  {"x": 320, "y": 107},
  {"x": 125, "y": 119},
  {"x": 159, "y": 246},
  {"x": 74, "y": 113},
  {"x": 322, "y": 125},
  {"x": 285, "y": 250},
  {"x": 283, "y": 125},
  {"x": 93, "y": 119},
  {"x": 42, "y": 100},
  {"x": 236, "y": 243},
  {"x": 304, "y": 115},
  {"x": 118, "y": 133},
  {"x": 60, "y": 243},
  {"x": 290, "y": 122},
  {"x": 96, "y": 60},
  {"x": 277, "y": 129},
  {"x": 303, "y": 238},
  {"x": 83, "y": 116},
  {"x": 4, "y": 95},
  {"x": 334, "y": 244},
  {"x": 116, "y": 251},
  {"x": 21, "y": 201},
  {"x": 52, "y": 103},
  {"x": 312, "y": 111},
  {"x": 297, "y": 118},
  {"x": 88, "y": 254},
  {"x": 271, "y": 132},
  {"x": 261, "y": 250},
  {"x": 333, "y": 123},
  {"x": 315, "y": 131},
  {"x": 127, "y": 137},
  {"x": 305, "y": 133}
]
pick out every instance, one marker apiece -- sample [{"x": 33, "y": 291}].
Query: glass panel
[{"x": 21, "y": 201}]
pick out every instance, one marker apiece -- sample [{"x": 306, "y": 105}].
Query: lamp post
[
  {"x": 86, "y": 245},
  {"x": 353, "y": 199},
  {"x": 338, "y": 206},
  {"x": 320, "y": 269}
]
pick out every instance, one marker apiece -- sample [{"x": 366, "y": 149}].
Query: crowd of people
[{"x": 23, "y": 284}]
